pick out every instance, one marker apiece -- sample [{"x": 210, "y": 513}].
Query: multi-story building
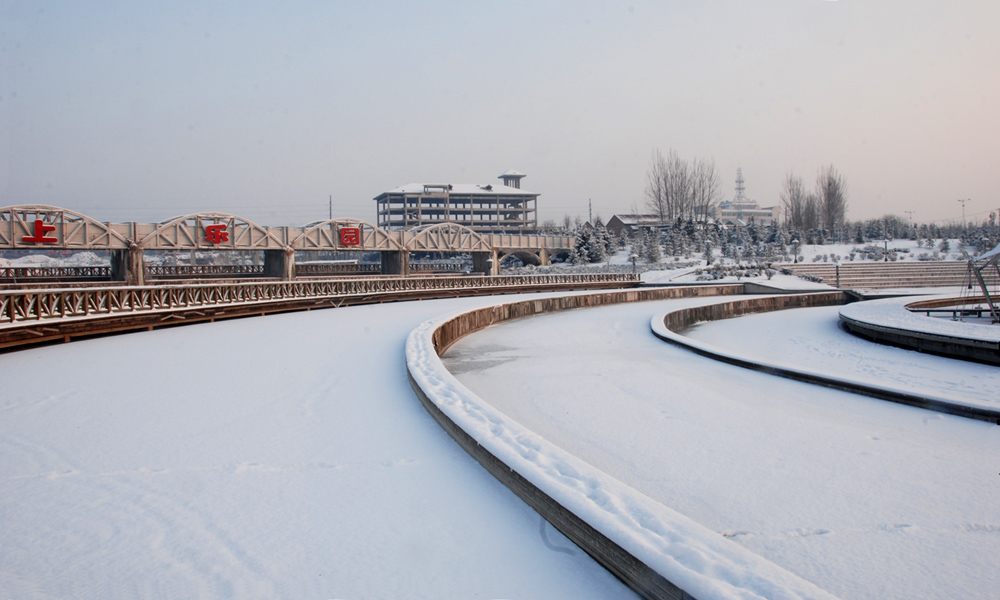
[
  {"x": 482, "y": 207},
  {"x": 741, "y": 210}
]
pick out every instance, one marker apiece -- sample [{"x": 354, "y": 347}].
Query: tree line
[
  {"x": 677, "y": 189},
  {"x": 825, "y": 208}
]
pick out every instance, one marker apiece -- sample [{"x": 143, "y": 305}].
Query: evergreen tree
[
  {"x": 583, "y": 245},
  {"x": 603, "y": 244},
  {"x": 653, "y": 250},
  {"x": 623, "y": 239}
]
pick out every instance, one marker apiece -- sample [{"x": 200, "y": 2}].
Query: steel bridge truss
[{"x": 38, "y": 227}]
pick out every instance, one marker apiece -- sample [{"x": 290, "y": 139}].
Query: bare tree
[
  {"x": 811, "y": 212},
  {"x": 793, "y": 198},
  {"x": 706, "y": 189},
  {"x": 678, "y": 187},
  {"x": 831, "y": 190},
  {"x": 675, "y": 189},
  {"x": 656, "y": 177}
]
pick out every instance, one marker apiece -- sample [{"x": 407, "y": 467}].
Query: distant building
[
  {"x": 484, "y": 208},
  {"x": 740, "y": 210},
  {"x": 631, "y": 223}
]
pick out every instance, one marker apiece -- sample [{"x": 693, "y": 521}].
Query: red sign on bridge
[
  {"x": 216, "y": 233},
  {"x": 350, "y": 236},
  {"x": 41, "y": 228}
]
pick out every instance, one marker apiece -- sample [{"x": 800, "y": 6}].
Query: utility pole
[
  {"x": 963, "y": 201},
  {"x": 911, "y": 213},
  {"x": 590, "y": 211},
  {"x": 331, "y": 207}
]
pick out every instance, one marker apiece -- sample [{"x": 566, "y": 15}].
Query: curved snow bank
[
  {"x": 888, "y": 321},
  {"x": 658, "y": 552},
  {"x": 668, "y": 326}
]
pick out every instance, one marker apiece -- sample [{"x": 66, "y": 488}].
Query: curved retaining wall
[
  {"x": 654, "y": 550},
  {"x": 669, "y": 327},
  {"x": 908, "y": 330}
]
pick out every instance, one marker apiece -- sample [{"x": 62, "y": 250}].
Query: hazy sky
[{"x": 142, "y": 111}]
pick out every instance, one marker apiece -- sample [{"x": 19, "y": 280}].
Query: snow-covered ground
[
  {"x": 865, "y": 498},
  {"x": 287, "y": 456},
  {"x": 813, "y": 339},
  {"x": 891, "y": 312},
  {"x": 276, "y": 457}
]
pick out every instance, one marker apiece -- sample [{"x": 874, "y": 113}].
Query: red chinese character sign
[
  {"x": 41, "y": 228},
  {"x": 216, "y": 234},
  {"x": 350, "y": 236}
]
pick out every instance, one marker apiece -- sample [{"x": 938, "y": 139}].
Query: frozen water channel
[{"x": 865, "y": 498}]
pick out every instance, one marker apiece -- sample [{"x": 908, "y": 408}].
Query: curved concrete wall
[
  {"x": 670, "y": 326},
  {"x": 976, "y": 343},
  {"x": 655, "y": 551}
]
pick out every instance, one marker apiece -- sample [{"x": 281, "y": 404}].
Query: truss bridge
[{"x": 50, "y": 228}]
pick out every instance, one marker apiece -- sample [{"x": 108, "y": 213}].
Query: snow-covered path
[
  {"x": 814, "y": 339},
  {"x": 865, "y": 498},
  {"x": 277, "y": 457}
]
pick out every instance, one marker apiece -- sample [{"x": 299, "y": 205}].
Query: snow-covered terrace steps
[
  {"x": 671, "y": 325},
  {"x": 890, "y": 274},
  {"x": 657, "y": 552}
]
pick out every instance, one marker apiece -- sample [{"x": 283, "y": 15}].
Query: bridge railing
[
  {"x": 22, "y": 306},
  {"x": 306, "y": 269},
  {"x": 189, "y": 271},
  {"x": 8, "y": 274}
]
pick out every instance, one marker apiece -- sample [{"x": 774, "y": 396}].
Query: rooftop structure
[{"x": 484, "y": 208}]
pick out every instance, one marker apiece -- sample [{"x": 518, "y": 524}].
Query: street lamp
[{"x": 633, "y": 258}]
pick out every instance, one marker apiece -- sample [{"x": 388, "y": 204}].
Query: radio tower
[{"x": 741, "y": 189}]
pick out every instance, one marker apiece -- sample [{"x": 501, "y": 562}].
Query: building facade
[{"x": 486, "y": 208}]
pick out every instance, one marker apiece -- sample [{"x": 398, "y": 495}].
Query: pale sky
[{"x": 135, "y": 111}]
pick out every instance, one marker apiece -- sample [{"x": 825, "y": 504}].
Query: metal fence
[
  {"x": 9, "y": 274},
  {"x": 189, "y": 271},
  {"x": 307, "y": 269},
  {"x": 19, "y": 306}
]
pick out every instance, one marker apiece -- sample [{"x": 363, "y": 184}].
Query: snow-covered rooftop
[{"x": 460, "y": 188}]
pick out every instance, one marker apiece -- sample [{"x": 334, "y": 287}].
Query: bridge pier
[
  {"x": 486, "y": 262},
  {"x": 543, "y": 257},
  {"x": 280, "y": 264},
  {"x": 127, "y": 265},
  {"x": 395, "y": 262}
]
